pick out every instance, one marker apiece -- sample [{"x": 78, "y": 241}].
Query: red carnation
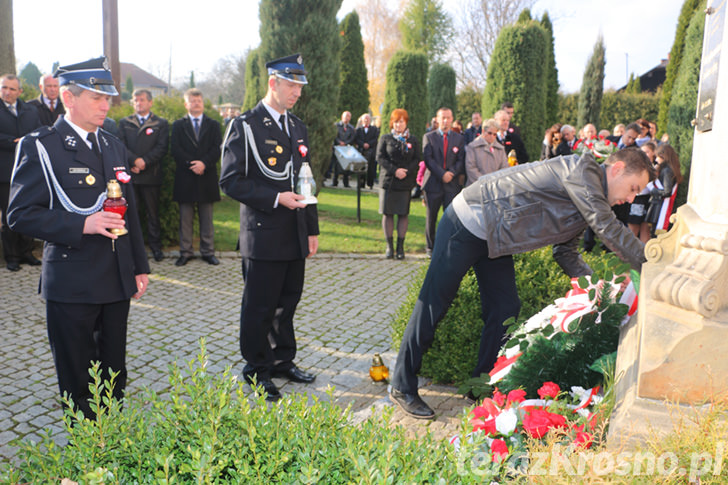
[
  {"x": 516, "y": 395},
  {"x": 499, "y": 449},
  {"x": 549, "y": 389}
]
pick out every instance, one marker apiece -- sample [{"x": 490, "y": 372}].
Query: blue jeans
[{"x": 456, "y": 250}]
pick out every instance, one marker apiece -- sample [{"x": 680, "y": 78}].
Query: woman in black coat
[
  {"x": 662, "y": 195},
  {"x": 398, "y": 153}
]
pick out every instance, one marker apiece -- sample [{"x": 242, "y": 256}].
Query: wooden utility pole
[
  {"x": 7, "y": 44},
  {"x": 110, "y": 12}
]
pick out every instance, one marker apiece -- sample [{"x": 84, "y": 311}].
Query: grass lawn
[{"x": 340, "y": 231}]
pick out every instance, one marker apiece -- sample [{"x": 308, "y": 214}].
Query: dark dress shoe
[
  {"x": 182, "y": 260},
  {"x": 412, "y": 404},
  {"x": 266, "y": 385},
  {"x": 30, "y": 260},
  {"x": 13, "y": 266},
  {"x": 295, "y": 374},
  {"x": 158, "y": 255},
  {"x": 211, "y": 259}
]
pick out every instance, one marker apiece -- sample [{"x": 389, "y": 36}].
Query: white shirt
[
  {"x": 83, "y": 133},
  {"x": 276, "y": 115}
]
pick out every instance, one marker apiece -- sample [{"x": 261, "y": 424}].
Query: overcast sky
[{"x": 194, "y": 35}]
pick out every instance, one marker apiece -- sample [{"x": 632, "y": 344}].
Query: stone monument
[{"x": 674, "y": 353}]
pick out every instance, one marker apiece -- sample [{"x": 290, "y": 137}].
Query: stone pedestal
[{"x": 673, "y": 355}]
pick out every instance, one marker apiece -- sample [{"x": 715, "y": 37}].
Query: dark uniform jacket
[
  {"x": 77, "y": 267},
  {"x": 188, "y": 186},
  {"x": 454, "y": 161},
  {"x": 44, "y": 112},
  {"x": 12, "y": 127},
  {"x": 149, "y": 142},
  {"x": 393, "y": 154},
  {"x": 267, "y": 233}
]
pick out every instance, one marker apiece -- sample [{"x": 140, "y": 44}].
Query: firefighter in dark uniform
[
  {"x": 263, "y": 152},
  {"x": 89, "y": 274}
]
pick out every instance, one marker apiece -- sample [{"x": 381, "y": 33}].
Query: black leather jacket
[{"x": 551, "y": 202}]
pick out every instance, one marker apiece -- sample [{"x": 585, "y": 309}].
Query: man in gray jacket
[{"x": 508, "y": 212}]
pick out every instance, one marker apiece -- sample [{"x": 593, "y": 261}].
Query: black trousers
[
  {"x": 148, "y": 196},
  {"x": 81, "y": 333},
  {"x": 371, "y": 166},
  {"x": 456, "y": 251},
  {"x": 15, "y": 245},
  {"x": 433, "y": 202},
  {"x": 270, "y": 296}
]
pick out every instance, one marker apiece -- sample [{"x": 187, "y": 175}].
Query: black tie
[
  {"x": 282, "y": 121},
  {"x": 94, "y": 146},
  {"x": 197, "y": 128}
]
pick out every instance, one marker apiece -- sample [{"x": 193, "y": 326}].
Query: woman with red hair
[{"x": 398, "y": 153}]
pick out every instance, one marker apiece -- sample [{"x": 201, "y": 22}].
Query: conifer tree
[
  {"x": 517, "y": 73},
  {"x": 353, "y": 87},
  {"x": 592, "y": 87},
  {"x": 255, "y": 79},
  {"x": 407, "y": 88},
  {"x": 685, "y": 98},
  {"x": 308, "y": 27},
  {"x": 426, "y": 27},
  {"x": 441, "y": 89},
  {"x": 552, "y": 74},
  {"x": 673, "y": 66}
]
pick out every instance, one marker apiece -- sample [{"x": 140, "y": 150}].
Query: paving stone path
[{"x": 344, "y": 318}]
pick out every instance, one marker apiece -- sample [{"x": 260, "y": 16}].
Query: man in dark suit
[
  {"x": 16, "y": 120},
  {"x": 444, "y": 154},
  {"x": 146, "y": 137},
  {"x": 263, "y": 153},
  {"x": 475, "y": 128},
  {"x": 345, "y": 135},
  {"x": 196, "y": 140},
  {"x": 508, "y": 137},
  {"x": 628, "y": 138},
  {"x": 366, "y": 138},
  {"x": 568, "y": 137},
  {"x": 89, "y": 273},
  {"x": 48, "y": 104}
]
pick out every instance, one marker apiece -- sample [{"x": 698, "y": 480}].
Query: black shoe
[
  {"x": 30, "y": 260},
  {"x": 13, "y": 266},
  {"x": 295, "y": 374},
  {"x": 411, "y": 404},
  {"x": 158, "y": 255},
  {"x": 389, "y": 254},
  {"x": 267, "y": 385},
  {"x": 211, "y": 259},
  {"x": 400, "y": 248},
  {"x": 182, "y": 260}
]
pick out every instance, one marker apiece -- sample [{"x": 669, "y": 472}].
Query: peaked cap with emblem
[
  {"x": 290, "y": 68},
  {"x": 93, "y": 75}
]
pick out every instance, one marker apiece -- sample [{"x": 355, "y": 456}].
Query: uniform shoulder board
[{"x": 41, "y": 132}]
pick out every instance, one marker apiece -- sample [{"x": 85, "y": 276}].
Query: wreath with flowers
[{"x": 600, "y": 147}]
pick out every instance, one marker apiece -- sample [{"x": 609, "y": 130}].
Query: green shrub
[
  {"x": 205, "y": 430},
  {"x": 454, "y": 351},
  {"x": 406, "y": 87}
]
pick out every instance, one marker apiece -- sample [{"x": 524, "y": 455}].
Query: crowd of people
[{"x": 56, "y": 160}]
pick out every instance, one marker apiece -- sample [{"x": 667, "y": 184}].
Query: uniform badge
[
  {"x": 78, "y": 170},
  {"x": 272, "y": 161},
  {"x": 70, "y": 141},
  {"x": 90, "y": 179},
  {"x": 303, "y": 149},
  {"x": 149, "y": 131},
  {"x": 279, "y": 149},
  {"x": 270, "y": 142},
  {"x": 123, "y": 177}
]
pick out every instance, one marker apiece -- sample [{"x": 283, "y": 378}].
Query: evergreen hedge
[
  {"x": 453, "y": 354},
  {"x": 441, "y": 90},
  {"x": 592, "y": 87},
  {"x": 406, "y": 87},
  {"x": 353, "y": 85},
  {"x": 676, "y": 54},
  {"x": 685, "y": 98},
  {"x": 552, "y": 74},
  {"x": 517, "y": 73},
  {"x": 255, "y": 79},
  {"x": 615, "y": 108},
  {"x": 468, "y": 102}
]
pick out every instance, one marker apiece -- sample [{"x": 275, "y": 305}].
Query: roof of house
[
  {"x": 139, "y": 76},
  {"x": 652, "y": 79}
]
